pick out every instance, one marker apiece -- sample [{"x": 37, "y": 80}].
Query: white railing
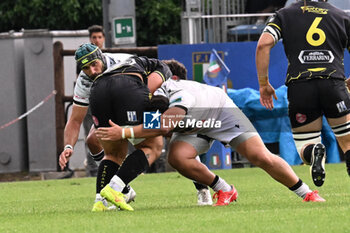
[{"x": 214, "y": 28}]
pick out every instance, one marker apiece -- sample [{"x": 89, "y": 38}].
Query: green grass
[{"x": 166, "y": 202}]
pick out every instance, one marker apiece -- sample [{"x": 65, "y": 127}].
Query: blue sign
[{"x": 239, "y": 58}]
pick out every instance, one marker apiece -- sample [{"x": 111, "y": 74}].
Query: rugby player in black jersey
[
  {"x": 315, "y": 35},
  {"x": 93, "y": 63}
]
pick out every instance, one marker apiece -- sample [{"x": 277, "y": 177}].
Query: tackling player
[{"x": 197, "y": 115}]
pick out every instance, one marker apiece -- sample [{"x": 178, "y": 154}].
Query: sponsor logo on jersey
[
  {"x": 132, "y": 117},
  {"x": 301, "y": 118},
  {"x": 315, "y": 10},
  {"x": 314, "y": 56},
  {"x": 341, "y": 106}
]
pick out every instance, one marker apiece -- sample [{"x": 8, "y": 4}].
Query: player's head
[
  {"x": 177, "y": 68},
  {"x": 90, "y": 59},
  {"x": 158, "y": 102},
  {"x": 97, "y": 35}
]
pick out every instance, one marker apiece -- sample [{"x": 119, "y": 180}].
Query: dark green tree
[
  {"x": 158, "y": 21},
  {"x": 49, "y": 14}
]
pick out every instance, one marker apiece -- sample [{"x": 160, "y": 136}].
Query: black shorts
[
  {"x": 121, "y": 98},
  {"x": 310, "y": 99}
]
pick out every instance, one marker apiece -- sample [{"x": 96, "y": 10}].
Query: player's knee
[
  {"x": 157, "y": 147},
  {"x": 174, "y": 160},
  {"x": 93, "y": 144},
  {"x": 263, "y": 159},
  {"x": 91, "y": 139}
]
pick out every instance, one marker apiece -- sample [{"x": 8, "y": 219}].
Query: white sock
[
  {"x": 117, "y": 184},
  {"x": 302, "y": 190},
  {"x": 98, "y": 197},
  {"x": 222, "y": 185}
]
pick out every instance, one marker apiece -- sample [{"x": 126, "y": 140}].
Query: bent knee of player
[
  {"x": 157, "y": 146},
  {"x": 153, "y": 146},
  {"x": 180, "y": 152},
  {"x": 93, "y": 143},
  {"x": 174, "y": 160},
  {"x": 261, "y": 158}
]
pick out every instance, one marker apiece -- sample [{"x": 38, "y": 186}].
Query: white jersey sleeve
[
  {"x": 82, "y": 90},
  {"x": 177, "y": 96},
  {"x": 181, "y": 98}
]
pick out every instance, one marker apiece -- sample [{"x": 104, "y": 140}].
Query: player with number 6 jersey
[
  {"x": 314, "y": 37},
  {"x": 314, "y": 34}
]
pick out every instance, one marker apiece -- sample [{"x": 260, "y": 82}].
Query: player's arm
[
  {"x": 115, "y": 132},
  {"x": 158, "y": 72},
  {"x": 262, "y": 60},
  {"x": 155, "y": 80},
  {"x": 269, "y": 37},
  {"x": 71, "y": 132}
]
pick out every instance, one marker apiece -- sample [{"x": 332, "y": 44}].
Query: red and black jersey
[{"x": 314, "y": 39}]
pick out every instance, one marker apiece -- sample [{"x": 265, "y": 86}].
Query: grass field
[{"x": 166, "y": 202}]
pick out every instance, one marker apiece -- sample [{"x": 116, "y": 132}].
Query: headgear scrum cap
[{"x": 88, "y": 53}]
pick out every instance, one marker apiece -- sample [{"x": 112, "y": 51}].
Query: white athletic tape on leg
[
  {"x": 342, "y": 129},
  {"x": 301, "y": 139}
]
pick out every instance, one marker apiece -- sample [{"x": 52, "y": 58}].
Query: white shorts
[
  {"x": 233, "y": 124},
  {"x": 235, "y": 129}
]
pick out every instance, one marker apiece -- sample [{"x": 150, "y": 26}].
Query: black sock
[
  {"x": 126, "y": 189},
  {"x": 215, "y": 181},
  {"x": 199, "y": 186},
  {"x": 307, "y": 152},
  {"x": 133, "y": 165},
  {"x": 347, "y": 161},
  {"x": 106, "y": 171},
  {"x": 297, "y": 185}
]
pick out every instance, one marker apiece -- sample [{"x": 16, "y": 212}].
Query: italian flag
[
  {"x": 214, "y": 67},
  {"x": 228, "y": 159},
  {"x": 199, "y": 71},
  {"x": 215, "y": 160}
]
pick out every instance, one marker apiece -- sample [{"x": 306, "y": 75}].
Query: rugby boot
[
  {"x": 225, "y": 198},
  {"x": 317, "y": 169},
  {"x": 116, "y": 198}
]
